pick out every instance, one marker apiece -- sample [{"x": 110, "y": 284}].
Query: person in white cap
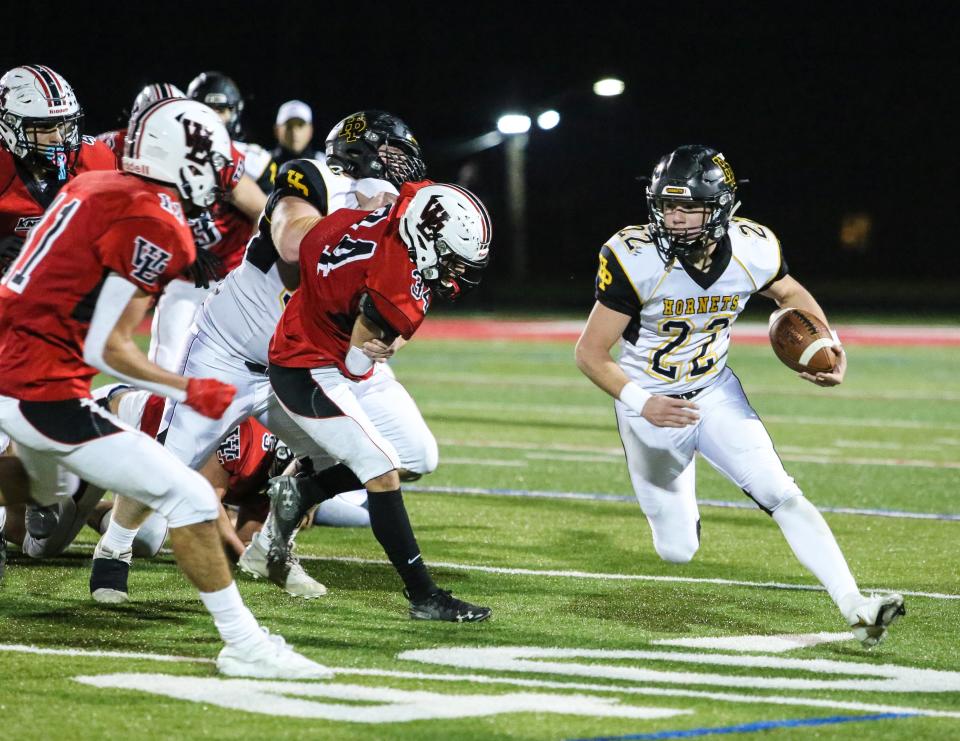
[{"x": 294, "y": 132}]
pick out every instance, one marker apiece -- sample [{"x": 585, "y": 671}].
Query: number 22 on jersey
[{"x": 674, "y": 361}]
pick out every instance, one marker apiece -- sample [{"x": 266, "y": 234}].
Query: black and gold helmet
[
  {"x": 375, "y": 144},
  {"x": 702, "y": 177}
]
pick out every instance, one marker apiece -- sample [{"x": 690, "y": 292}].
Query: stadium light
[
  {"x": 513, "y": 123},
  {"x": 548, "y": 119},
  {"x": 608, "y": 87}
]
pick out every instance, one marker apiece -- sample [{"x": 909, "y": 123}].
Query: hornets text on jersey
[{"x": 680, "y": 317}]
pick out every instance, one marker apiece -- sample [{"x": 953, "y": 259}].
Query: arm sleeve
[
  {"x": 147, "y": 252},
  {"x": 613, "y": 288},
  {"x": 111, "y": 303}
]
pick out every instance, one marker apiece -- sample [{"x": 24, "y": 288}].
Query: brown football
[{"x": 801, "y": 341}]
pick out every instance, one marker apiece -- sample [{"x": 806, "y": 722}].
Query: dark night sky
[{"x": 827, "y": 111}]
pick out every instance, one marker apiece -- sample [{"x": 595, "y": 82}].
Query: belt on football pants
[
  {"x": 687, "y": 396},
  {"x": 256, "y": 367}
]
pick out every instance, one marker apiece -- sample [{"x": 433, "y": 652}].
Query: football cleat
[
  {"x": 285, "y": 515},
  {"x": 441, "y": 605},
  {"x": 870, "y": 619},
  {"x": 41, "y": 521},
  {"x": 270, "y": 658},
  {"x": 288, "y": 575},
  {"x": 3, "y": 555},
  {"x": 108, "y": 577}
]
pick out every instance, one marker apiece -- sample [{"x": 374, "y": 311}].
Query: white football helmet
[
  {"x": 182, "y": 143},
  {"x": 35, "y": 98},
  {"x": 447, "y": 232},
  {"x": 152, "y": 93}
]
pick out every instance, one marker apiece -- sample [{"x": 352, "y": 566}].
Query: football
[{"x": 801, "y": 341}]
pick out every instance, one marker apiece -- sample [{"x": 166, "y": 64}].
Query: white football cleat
[
  {"x": 870, "y": 618},
  {"x": 270, "y": 658},
  {"x": 288, "y": 575}
]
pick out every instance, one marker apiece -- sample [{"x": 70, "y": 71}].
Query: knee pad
[
  {"x": 150, "y": 537},
  {"x": 773, "y": 493},
  {"x": 192, "y": 500},
  {"x": 424, "y": 459}
]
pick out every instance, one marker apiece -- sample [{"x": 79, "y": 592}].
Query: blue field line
[
  {"x": 752, "y": 727},
  {"x": 596, "y": 497}
]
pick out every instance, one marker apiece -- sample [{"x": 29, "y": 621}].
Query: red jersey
[
  {"x": 101, "y": 222},
  {"x": 114, "y": 140},
  {"x": 23, "y": 198},
  {"x": 246, "y": 454},
  {"x": 224, "y": 230},
  {"x": 349, "y": 254}
]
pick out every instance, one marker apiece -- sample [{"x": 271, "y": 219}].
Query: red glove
[{"x": 209, "y": 396}]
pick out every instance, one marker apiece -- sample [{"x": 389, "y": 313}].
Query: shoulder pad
[
  {"x": 634, "y": 238},
  {"x": 757, "y": 248},
  {"x": 302, "y": 179}
]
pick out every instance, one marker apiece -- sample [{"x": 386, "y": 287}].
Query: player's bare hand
[
  {"x": 834, "y": 377},
  {"x": 372, "y": 203},
  {"x": 665, "y": 411},
  {"x": 378, "y": 350}
]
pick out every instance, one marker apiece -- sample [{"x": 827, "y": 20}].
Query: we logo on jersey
[
  {"x": 149, "y": 261},
  {"x": 700, "y": 305}
]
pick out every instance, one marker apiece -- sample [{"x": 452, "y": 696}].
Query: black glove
[
  {"x": 206, "y": 269},
  {"x": 10, "y": 247}
]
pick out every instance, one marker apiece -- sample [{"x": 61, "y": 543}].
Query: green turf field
[{"x": 574, "y": 574}]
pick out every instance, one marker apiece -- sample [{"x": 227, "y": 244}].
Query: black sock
[
  {"x": 391, "y": 527},
  {"x": 319, "y": 486}
]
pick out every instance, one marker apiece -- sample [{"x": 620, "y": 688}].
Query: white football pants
[{"x": 660, "y": 460}]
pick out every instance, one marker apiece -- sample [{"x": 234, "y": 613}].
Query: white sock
[
  {"x": 815, "y": 547},
  {"x": 236, "y": 624},
  {"x": 3, "y": 518},
  {"x": 118, "y": 538}
]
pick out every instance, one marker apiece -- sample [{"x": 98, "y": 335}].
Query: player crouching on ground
[
  {"x": 669, "y": 292},
  {"x": 69, "y": 306}
]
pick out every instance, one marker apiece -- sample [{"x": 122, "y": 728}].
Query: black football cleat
[{"x": 441, "y": 605}]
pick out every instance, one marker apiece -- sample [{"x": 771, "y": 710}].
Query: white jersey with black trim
[
  {"x": 243, "y": 311},
  {"x": 679, "y": 335}
]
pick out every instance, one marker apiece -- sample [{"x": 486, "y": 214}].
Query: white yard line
[
  {"x": 791, "y": 453},
  {"x": 622, "y": 577},
  {"x": 594, "y": 411},
  {"x": 99, "y": 654},
  {"x": 726, "y": 504},
  {"x": 582, "y": 384}
]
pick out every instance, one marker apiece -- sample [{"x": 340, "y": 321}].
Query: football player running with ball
[{"x": 669, "y": 292}]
